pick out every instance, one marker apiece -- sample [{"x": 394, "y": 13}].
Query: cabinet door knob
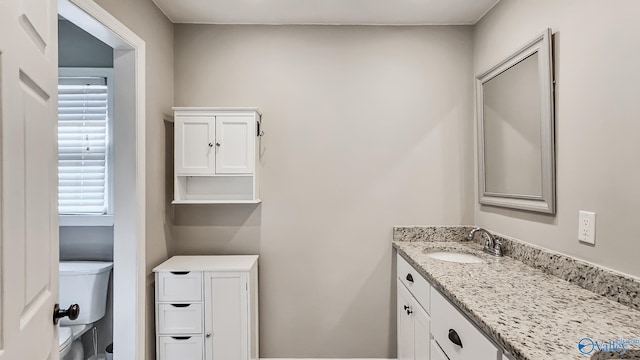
[
  {"x": 208, "y": 335},
  {"x": 455, "y": 338},
  {"x": 406, "y": 307},
  {"x": 217, "y": 144},
  {"x": 210, "y": 144},
  {"x": 409, "y": 278},
  {"x": 409, "y": 312}
]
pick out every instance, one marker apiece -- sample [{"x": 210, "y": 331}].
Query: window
[{"x": 84, "y": 146}]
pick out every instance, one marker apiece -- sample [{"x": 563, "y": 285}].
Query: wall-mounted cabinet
[{"x": 216, "y": 155}]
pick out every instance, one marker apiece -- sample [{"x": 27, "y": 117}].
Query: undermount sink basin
[{"x": 455, "y": 257}]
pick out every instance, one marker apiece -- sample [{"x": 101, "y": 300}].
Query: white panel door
[
  {"x": 421, "y": 333},
  {"x": 226, "y": 316},
  {"x": 194, "y": 145},
  {"x": 406, "y": 347},
  {"x": 235, "y": 144},
  {"x": 28, "y": 179}
]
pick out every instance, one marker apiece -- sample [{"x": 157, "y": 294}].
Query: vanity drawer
[
  {"x": 180, "y": 319},
  {"x": 417, "y": 285},
  {"x": 180, "y": 348},
  {"x": 447, "y": 321},
  {"x": 179, "y": 286},
  {"x": 437, "y": 353}
]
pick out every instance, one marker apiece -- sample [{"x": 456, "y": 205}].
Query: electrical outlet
[{"x": 587, "y": 227}]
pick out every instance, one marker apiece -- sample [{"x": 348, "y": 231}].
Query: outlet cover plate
[{"x": 587, "y": 227}]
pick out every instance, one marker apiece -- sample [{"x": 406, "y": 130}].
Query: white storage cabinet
[
  {"x": 207, "y": 308},
  {"x": 430, "y": 327},
  {"x": 216, "y": 155}
]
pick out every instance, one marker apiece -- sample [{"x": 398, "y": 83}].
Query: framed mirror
[{"x": 515, "y": 115}]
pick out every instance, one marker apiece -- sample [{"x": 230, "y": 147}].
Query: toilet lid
[{"x": 64, "y": 338}]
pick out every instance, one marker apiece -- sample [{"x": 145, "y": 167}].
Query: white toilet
[{"x": 84, "y": 283}]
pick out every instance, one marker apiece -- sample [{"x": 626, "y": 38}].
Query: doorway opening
[{"x": 123, "y": 221}]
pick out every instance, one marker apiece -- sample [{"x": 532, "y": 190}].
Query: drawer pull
[
  {"x": 180, "y": 305},
  {"x": 181, "y": 337},
  {"x": 455, "y": 338},
  {"x": 180, "y": 272},
  {"x": 409, "y": 312},
  {"x": 406, "y": 307},
  {"x": 409, "y": 278}
]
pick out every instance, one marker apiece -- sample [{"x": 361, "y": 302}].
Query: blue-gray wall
[{"x": 77, "y": 48}]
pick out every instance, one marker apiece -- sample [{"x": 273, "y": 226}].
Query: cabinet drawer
[
  {"x": 180, "y": 348},
  {"x": 181, "y": 286},
  {"x": 446, "y": 319},
  {"x": 417, "y": 285},
  {"x": 436, "y": 352},
  {"x": 180, "y": 319}
]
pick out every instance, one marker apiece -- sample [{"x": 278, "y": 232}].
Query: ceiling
[{"x": 327, "y": 12}]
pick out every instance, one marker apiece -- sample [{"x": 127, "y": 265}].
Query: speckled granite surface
[
  {"x": 531, "y": 314},
  {"x": 431, "y": 233},
  {"x": 612, "y": 285}
]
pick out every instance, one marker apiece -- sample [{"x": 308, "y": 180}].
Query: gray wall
[
  {"x": 366, "y": 127},
  {"x": 77, "y": 48},
  {"x": 597, "y": 127}
]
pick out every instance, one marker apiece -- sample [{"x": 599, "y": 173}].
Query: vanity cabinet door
[
  {"x": 406, "y": 345},
  {"x": 421, "y": 333},
  {"x": 413, "y": 327}
]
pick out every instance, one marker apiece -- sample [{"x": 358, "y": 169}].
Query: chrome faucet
[{"x": 491, "y": 245}]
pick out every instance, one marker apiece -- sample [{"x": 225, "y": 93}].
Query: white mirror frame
[{"x": 544, "y": 203}]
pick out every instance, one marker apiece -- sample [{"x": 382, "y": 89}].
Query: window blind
[{"x": 82, "y": 145}]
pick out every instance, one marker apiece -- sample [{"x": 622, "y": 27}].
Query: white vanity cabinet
[
  {"x": 430, "y": 327},
  {"x": 207, "y": 308},
  {"x": 215, "y": 156},
  {"x": 412, "y": 314}
]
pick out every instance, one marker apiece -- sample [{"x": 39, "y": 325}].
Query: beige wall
[
  {"x": 597, "y": 122},
  {"x": 146, "y": 20},
  {"x": 366, "y": 128}
]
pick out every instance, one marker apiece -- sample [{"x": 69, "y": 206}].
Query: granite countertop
[{"x": 531, "y": 314}]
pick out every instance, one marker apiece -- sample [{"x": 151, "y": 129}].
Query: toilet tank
[{"x": 84, "y": 283}]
